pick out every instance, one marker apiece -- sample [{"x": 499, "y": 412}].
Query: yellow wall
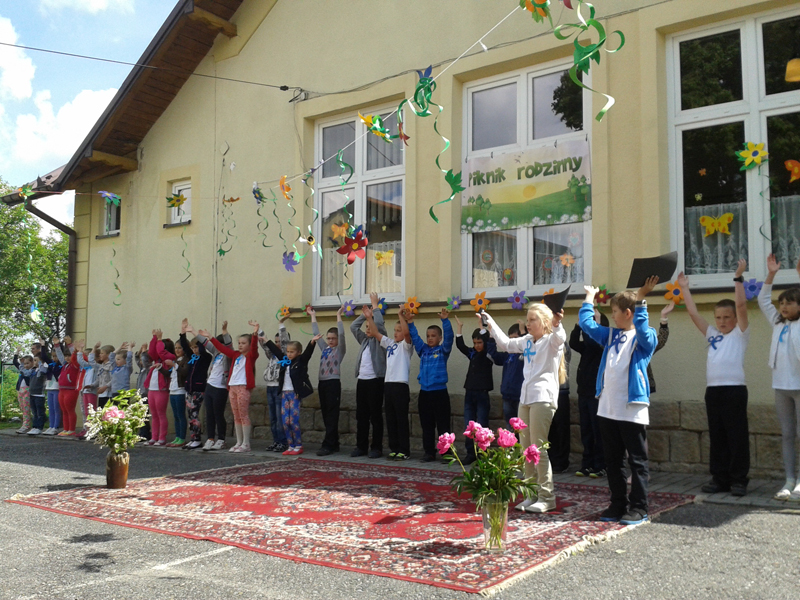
[{"x": 324, "y": 47}]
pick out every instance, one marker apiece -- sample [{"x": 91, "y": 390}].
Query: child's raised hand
[
  {"x": 254, "y": 325},
  {"x": 557, "y": 318},
  {"x": 184, "y": 324},
  {"x": 339, "y": 313},
  {"x": 683, "y": 280},
  {"x": 741, "y": 268},
  {"x": 224, "y": 328},
  {"x": 159, "y": 334},
  {"x": 80, "y": 344},
  {"x": 56, "y": 341},
  {"x": 773, "y": 266},
  {"x": 366, "y": 311},
  {"x": 311, "y": 312},
  {"x": 143, "y": 348},
  {"x": 459, "y": 324},
  {"x": 373, "y": 298},
  {"x": 316, "y": 338},
  {"x": 666, "y": 310},
  {"x": 444, "y": 314},
  {"x": 204, "y": 333},
  {"x": 67, "y": 340},
  {"x": 97, "y": 345},
  {"x": 591, "y": 292},
  {"x": 131, "y": 345},
  {"x": 649, "y": 286}
]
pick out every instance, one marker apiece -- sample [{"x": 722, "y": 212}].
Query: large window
[
  {"x": 540, "y": 235},
  {"x": 373, "y": 198},
  {"x": 729, "y": 88}
]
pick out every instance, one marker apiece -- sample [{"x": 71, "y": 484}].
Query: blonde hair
[{"x": 545, "y": 315}]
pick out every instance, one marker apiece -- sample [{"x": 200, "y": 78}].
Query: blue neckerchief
[
  {"x": 529, "y": 352},
  {"x": 238, "y": 358},
  {"x": 193, "y": 359},
  {"x": 784, "y": 331},
  {"x": 618, "y": 339},
  {"x": 714, "y": 340},
  {"x": 117, "y": 369},
  {"x": 327, "y": 352},
  {"x": 284, "y": 362},
  {"x": 390, "y": 350}
]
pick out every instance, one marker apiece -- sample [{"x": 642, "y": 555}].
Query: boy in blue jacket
[{"x": 624, "y": 395}]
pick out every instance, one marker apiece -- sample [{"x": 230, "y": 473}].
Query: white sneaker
[
  {"x": 235, "y": 448},
  {"x": 23, "y": 429},
  {"x": 48, "y": 431},
  {"x": 783, "y": 494},
  {"x": 524, "y": 505},
  {"x": 209, "y": 445},
  {"x": 795, "y": 495},
  {"x": 218, "y": 445},
  {"x": 541, "y": 507},
  {"x": 34, "y": 431}
]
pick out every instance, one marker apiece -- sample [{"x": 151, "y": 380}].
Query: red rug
[{"x": 396, "y": 522}]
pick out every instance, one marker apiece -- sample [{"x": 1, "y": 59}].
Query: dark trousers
[
  {"x": 590, "y": 434},
  {"x": 618, "y": 437},
  {"x": 559, "y": 435},
  {"x": 330, "y": 400},
  {"x": 38, "y": 412},
  {"x": 510, "y": 409},
  {"x": 216, "y": 399},
  {"x": 369, "y": 411},
  {"x": 476, "y": 408},
  {"x": 729, "y": 460},
  {"x": 397, "y": 398},
  {"x": 434, "y": 414}
]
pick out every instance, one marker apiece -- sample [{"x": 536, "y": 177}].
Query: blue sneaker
[
  {"x": 612, "y": 514},
  {"x": 633, "y": 517}
]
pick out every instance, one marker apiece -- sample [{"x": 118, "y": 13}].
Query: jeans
[
  {"x": 178, "y": 403},
  {"x": 434, "y": 415},
  {"x": 369, "y": 410},
  {"x": 476, "y": 408},
  {"x": 619, "y": 437},
  {"x": 37, "y": 410},
  {"x": 729, "y": 457},
  {"x": 54, "y": 409},
  {"x": 275, "y": 421},
  {"x": 216, "y": 399},
  {"x": 593, "y": 457},
  {"x": 510, "y": 409},
  {"x": 396, "y": 401},
  {"x": 330, "y": 400}
]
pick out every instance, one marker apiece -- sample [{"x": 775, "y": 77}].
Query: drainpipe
[{"x": 72, "y": 261}]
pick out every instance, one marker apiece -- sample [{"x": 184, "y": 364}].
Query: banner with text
[{"x": 542, "y": 186}]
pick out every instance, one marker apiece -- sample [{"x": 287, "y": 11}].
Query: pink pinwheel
[
  {"x": 471, "y": 428},
  {"x": 483, "y": 438},
  {"x": 354, "y": 247},
  {"x": 445, "y": 441},
  {"x": 532, "y": 454},
  {"x": 516, "y": 423},
  {"x": 506, "y": 439}
]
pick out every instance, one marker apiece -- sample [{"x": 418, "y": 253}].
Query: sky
[{"x": 48, "y": 103}]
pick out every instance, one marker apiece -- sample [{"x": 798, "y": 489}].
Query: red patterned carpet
[{"x": 390, "y": 521}]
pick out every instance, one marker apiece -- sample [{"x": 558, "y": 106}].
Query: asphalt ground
[{"x": 697, "y": 551}]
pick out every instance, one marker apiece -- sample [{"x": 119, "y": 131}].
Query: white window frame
[
  {"x": 361, "y": 179},
  {"x": 110, "y": 206},
  {"x": 525, "y": 238},
  {"x": 753, "y": 110},
  {"x": 184, "y": 214}
]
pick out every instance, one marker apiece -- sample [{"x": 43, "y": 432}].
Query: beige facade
[{"x": 326, "y": 48}]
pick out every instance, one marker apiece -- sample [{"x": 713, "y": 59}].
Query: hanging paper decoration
[
  {"x": 714, "y": 224},
  {"x": 179, "y": 199},
  {"x": 310, "y": 204},
  {"x": 118, "y": 300},
  {"x": 480, "y": 302},
  {"x": 698, "y": 197},
  {"x": 793, "y": 167},
  {"x": 402, "y": 134},
  {"x": 602, "y": 296},
  {"x": 382, "y": 306},
  {"x": 518, "y": 300},
  {"x": 354, "y": 247},
  {"x": 752, "y": 288},
  {"x": 285, "y": 189},
  {"x": 674, "y": 293},
  {"x": 285, "y": 312},
  {"x": 586, "y": 51},
  {"x": 263, "y": 224},
  {"x": 110, "y": 198},
  {"x": 508, "y": 275},
  {"x": 752, "y": 155},
  {"x": 340, "y": 230},
  {"x": 349, "y": 308},
  {"x": 487, "y": 257},
  {"x": 231, "y": 200},
  {"x": 289, "y": 261},
  {"x": 574, "y": 239},
  {"x": 25, "y": 192},
  {"x": 539, "y": 9},
  {"x": 176, "y": 200},
  {"x": 412, "y": 305},
  {"x": 36, "y": 316},
  {"x": 385, "y": 258},
  {"x": 313, "y": 246},
  {"x": 702, "y": 172},
  {"x": 547, "y": 263},
  {"x": 374, "y": 124},
  {"x": 454, "y": 303},
  {"x": 567, "y": 260}
]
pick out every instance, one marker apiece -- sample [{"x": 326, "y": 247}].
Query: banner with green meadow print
[{"x": 541, "y": 186}]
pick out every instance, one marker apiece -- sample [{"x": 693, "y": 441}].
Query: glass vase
[{"x": 495, "y": 521}]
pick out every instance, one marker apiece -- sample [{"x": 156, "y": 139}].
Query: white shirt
[
  {"x": 288, "y": 386},
  {"x": 154, "y": 381},
  {"x": 366, "y": 371},
  {"x": 725, "y": 364},
  {"x": 398, "y": 359},
  {"x": 216, "y": 377},
  {"x": 174, "y": 388},
  {"x": 238, "y": 374},
  {"x": 786, "y": 374},
  {"x": 614, "y": 397}
]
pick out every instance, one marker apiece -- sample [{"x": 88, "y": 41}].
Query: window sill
[
  {"x": 181, "y": 224},
  {"x": 105, "y": 236}
]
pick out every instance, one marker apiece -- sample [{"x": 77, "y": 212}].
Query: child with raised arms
[
  {"x": 216, "y": 389},
  {"x": 69, "y": 382},
  {"x": 161, "y": 351},
  {"x": 272, "y": 375},
  {"x": 330, "y": 384},
  {"x": 195, "y": 384}
]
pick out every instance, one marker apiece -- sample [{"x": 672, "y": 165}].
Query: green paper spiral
[{"x": 117, "y": 301}]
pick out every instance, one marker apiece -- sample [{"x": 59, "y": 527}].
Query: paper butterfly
[
  {"x": 720, "y": 224},
  {"x": 285, "y": 189},
  {"x": 794, "y": 168},
  {"x": 385, "y": 258},
  {"x": 340, "y": 231}
]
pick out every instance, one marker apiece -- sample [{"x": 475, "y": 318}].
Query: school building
[{"x": 553, "y": 197}]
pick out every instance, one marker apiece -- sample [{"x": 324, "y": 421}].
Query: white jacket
[{"x": 772, "y": 315}]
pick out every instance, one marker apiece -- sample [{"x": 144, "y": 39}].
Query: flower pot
[
  {"x": 495, "y": 520},
  {"x": 117, "y": 470}
]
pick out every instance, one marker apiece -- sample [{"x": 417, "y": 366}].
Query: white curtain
[
  {"x": 494, "y": 259},
  {"x": 718, "y": 252},
  {"x": 786, "y": 230},
  {"x": 385, "y": 279},
  {"x": 552, "y": 243}
]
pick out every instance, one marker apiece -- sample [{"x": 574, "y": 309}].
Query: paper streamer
[
  {"x": 344, "y": 181},
  {"x": 36, "y": 316},
  {"x": 118, "y": 300},
  {"x": 585, "y": 54},
  {"x": 262, "y": 225},
  {"x": 286, "y": 189},
  {"x": 185, "y": 247},
  {"x": 227, "y": 228}
]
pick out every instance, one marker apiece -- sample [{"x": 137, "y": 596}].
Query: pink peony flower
[
  {"x": 506, "y": 439},
  {"x": 532, "y": 454},
  {"x": 516, "y": 423},
  {"x": 483, "y": 437},
  {"x": 445, "y": 441},
  {"x": 113, "y": 414},
  {"x": 471, "y": 429}
]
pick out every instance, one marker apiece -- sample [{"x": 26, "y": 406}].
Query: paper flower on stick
[
  {"x": 454, "y": 303},
  {"x": 549, "y": 292},
  {"x": 720, "y": 224},
  {"x": 382, "y": 306},
  {"x": 385, "y": 258},
  {"x": 752, "y": 155},
  {"x": 480, "y": 302},
  {"x": 258, "y": 195},
  {"x": 110, "y": 198},
  {"x": 354, "y": 247},
  {"x": 25, "y": 192},
  {"x": 567, "y": 259},
  {"x": 36, "y": 316},
  {"x": 752, "y": 288},
  {"x": 603, "y": 296},
  {"x": 540, "y": 9},
  {"x": 340, "y": 231},
  {"x": 289, "y": 261},
  {"x": 285, "y": 312},
  {"x": 793, "y": 167},
  {"x": 518, "y": 300},
  {"x": 285, "y": 189},
  {"x": 176, "y": 200},
  {"x": 349, "y": 308},
  {"x": 306, "y": 307},
  {"x": 674, "y": 293},
  {"x": 412, "y": 305}
]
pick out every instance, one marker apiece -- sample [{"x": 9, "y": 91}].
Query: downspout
[{"x": 72, "y": 260}]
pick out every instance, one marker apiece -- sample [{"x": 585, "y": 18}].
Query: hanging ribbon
[
  {"x": 585, "y": 54},
  {"x": 36, "y": 315},
  {"x": 263, "y": 225},
  {"x": 344, "y": 181},
  {"x": 375, "y": 125},
  {"x": 117, "y": 301},
  {"x": 310, "y": 239},
  {"x": 285, "y": 189},
  {"x": 227, "y": 229},
  {"x": 185, "y": 247}
]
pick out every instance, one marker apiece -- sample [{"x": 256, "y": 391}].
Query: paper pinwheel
[
  {"x": 480, "y": 302},
  {"x": 258, "y": 194},
  {"x": 714, "y": 224},
  {"x": 285, "y": 312},
  {"x": 110, "y": 198},
  {"x": 340, "y": 231},
  {"x": 412, "y": 305},
  {"x": 306, "y": 307},
  {"x": 382, "y": 306},
  {"x": 385, "y": 258},
  {"x": 752, "y": 288},
  {"x": 231, "y": 200},
  {"x": 540, "y": 9},
  {"x": 374, "y": 124},
  {"x": 36, "y": 316},
  {"x": 176, "y": 200},
  {"x": 312, "y": 242},
  {"x": 285, "y": 189},
  {"x": 752, "y": 155},
  {"x": 454, "y": 303},
  {"x": 674, "y": 293},
  {"x": 518, "y": 300},
  {"x": 289, "y": 261},
  {"x": 25, "y": 192},
  {"x": 602, "y": 296},
  {"x": 567, "y": 259},
  {"x": 354, "y": 247},
  {"x": 349, "y": 308}
]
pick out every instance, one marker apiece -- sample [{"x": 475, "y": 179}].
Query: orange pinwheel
[
  {"x": 285, "y": 189},
  {"x": 412, "y": 305},
  {"x": 674, "y": 293},
  {"x": 480, "y": 302}
]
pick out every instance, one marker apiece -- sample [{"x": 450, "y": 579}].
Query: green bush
[{"x": 10, "y": 405}]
